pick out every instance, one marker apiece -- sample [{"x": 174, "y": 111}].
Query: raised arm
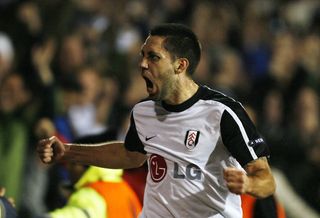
[
  {"x": 109, "y": 154},
  {"x": 257, "y": 180}
]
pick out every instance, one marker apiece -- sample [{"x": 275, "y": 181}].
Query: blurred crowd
[{"x": 70, "y": 68}]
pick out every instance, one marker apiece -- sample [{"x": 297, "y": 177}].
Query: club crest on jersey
[{"x": 191, "y": 139}]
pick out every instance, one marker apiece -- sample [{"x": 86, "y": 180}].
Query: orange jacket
[
  {"x": 120, "y": 199},
  {"x": 249, "y": 203}
]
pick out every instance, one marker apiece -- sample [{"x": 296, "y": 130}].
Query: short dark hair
[{"x": 180, "y": 42}]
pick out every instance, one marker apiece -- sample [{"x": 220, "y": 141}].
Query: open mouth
[{"x": 149, "y": 84}]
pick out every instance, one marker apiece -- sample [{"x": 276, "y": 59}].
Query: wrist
[{"x": 249, "y": 186}]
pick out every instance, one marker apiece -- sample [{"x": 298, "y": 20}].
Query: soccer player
[{"x": 202, "y": 149}]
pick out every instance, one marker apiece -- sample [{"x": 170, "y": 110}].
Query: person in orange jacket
[
  {"x": 261, "y": 208},
  {"x": 99, "y": 193}
]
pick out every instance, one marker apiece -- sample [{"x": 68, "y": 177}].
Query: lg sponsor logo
[
  {"x": 158, "y": 167},
  {"x": 158, "y": 170}
]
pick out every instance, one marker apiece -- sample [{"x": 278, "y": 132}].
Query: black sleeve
[
  {"x": 132, "y": 141},
  {"x": 240, "y": 136}
]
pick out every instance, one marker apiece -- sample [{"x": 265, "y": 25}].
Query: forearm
[
  {"x": 109, "y": 155},
  {"x": 261, "y": 183}
]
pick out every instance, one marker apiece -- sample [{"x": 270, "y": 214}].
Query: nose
[{"x": 143, "y": 63}]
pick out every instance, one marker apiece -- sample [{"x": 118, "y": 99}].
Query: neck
[{"x": 183, "y": 90}]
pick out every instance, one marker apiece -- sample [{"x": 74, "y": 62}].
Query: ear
[{"x": 181, "y": 65}]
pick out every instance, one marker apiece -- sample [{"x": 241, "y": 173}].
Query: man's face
[{"x": 157, "y": 68}]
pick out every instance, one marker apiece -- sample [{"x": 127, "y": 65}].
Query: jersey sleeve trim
[
  {"x": 240, "y": 136},
  {"x": 243, "y": 132},
  {"x": 132, "y": 141}
]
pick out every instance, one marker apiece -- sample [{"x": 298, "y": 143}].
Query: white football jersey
[{"x": 188, "y": 146}]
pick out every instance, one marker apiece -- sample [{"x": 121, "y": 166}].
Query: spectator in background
[
  {"x": 86, "y": 97},
  {"x": 229, "y": 76},
  {"x": 297, "y": 179},
  {"x": 71, "y": 56},
  {"x": 82, "y": 115},
  {"x": 302, "y": 134},
  {"x": 98, "y": 192},
  {"x": 304, "y": 126},
  {"x": 36, "y": 177},
  {"x": 308, "y": 184},
  {"x": 309, "y": 59},
  {"x": 88, "y": 184},
  {"x": 14, "y": 131},
  {"x": 272, "y": 125},
  {"x": 255, "y": 37},
  {"x": 6, "y": 55},
  {"x": 283, "y": 73}
]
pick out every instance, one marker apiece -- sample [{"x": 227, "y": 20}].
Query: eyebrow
[{"x": 150, "y": 53}]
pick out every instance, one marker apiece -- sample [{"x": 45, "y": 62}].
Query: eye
[{"x": 153, "y": 57}]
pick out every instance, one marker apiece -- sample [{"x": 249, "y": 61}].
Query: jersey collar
[{"x": 184, "y": 105}]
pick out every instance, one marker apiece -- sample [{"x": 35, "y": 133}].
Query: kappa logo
[{"x": 191, "y": 139}]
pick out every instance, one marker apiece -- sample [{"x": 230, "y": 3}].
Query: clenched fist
[
  {"x": 51, "y": 149},
  {"x": 237, "y": 180}
]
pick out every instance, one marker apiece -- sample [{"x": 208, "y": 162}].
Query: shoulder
[
  {"x": 145, "y": 101},
  {"x": 208, "y": 94},
  {"x": 144, "y": 105}
]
